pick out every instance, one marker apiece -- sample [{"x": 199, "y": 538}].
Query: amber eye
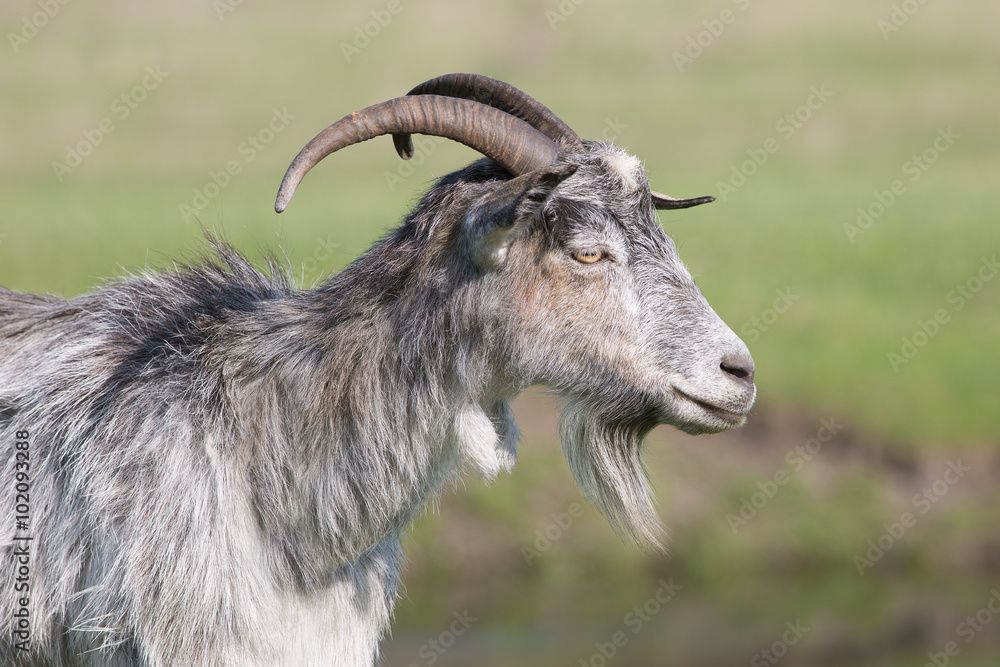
[{"x": 588, "y": 256}]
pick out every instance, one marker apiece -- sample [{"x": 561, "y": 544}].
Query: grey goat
[{"x": 215, "y": 468}]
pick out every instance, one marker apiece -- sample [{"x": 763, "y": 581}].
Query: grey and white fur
[{"x": 222, "y": 465}]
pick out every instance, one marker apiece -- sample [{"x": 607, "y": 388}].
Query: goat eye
[{"x": 588, "y": 256}]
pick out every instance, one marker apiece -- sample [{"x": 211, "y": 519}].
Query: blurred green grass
[{"x": 608, "y": 64}]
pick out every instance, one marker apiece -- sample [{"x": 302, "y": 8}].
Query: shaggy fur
[{"x": 221, "y": 465}]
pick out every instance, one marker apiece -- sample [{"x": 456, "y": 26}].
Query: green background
[{"x": 695, "y": 90}]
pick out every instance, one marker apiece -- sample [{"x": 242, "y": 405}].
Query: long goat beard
[{"x": 605, "y": 457}]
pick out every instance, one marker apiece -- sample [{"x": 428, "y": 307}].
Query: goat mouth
[{"x": 713, "y": 417}]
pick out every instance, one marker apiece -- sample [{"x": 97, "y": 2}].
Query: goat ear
[{"x": 499, "y": 217}]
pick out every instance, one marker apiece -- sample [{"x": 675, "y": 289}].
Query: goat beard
[{"x": 604, "y": 452}]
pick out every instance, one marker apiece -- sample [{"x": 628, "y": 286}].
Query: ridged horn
[
  {"x": 507, "y": 140},
  {"x": 663, "y": 202},
  {"x": 498, "y": 95}
]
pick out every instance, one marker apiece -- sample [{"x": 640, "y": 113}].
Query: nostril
[{"x": 739, "y": 367}]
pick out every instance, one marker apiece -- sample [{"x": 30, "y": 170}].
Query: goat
[{"x": 217, "y": 467}]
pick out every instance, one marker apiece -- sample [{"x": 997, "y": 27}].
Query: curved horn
[
  {"x": 507, "y": 140},
  {"x": 498, "y": 95},
  {"x": 661, "y": 201}
]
